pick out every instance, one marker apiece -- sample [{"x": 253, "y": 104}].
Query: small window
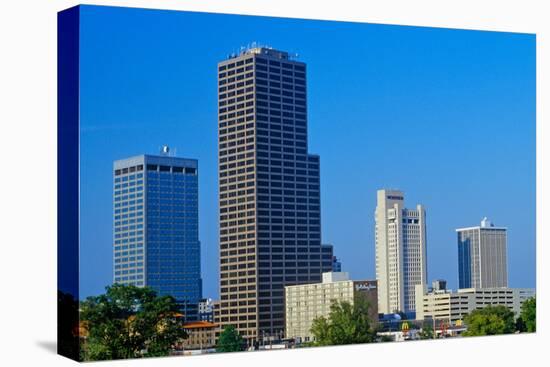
[
  {"x": 164, "y": 168},
  {"x": 177, "y": 169},
  {"x": 191, "y": 171},
  {"x": 152, "y": 167}
]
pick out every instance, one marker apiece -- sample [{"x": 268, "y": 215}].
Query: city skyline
[{"x": 170, "y": 124}]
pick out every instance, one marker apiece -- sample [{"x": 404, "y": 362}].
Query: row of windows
[
  {"x": 123, "y": 171},
  {"x": 128, "y": 253},
  {"x": 287, "y": 90},
  {"x": 262, "y": 61},
  {"x": 125, "y": 238},
  {"x": 126, "y": 259},
  {"x": 237, "y": 114},
  {"x": 129, "y": 190},
  {"x": 224, "y": 78},
  {"x": 294, "y": 140},
  {"x": 128, "y": 265},
  {"x": 130, "y": 271},
  {"x": 236, "y": 86},
  {"x": 128, "y": 178},
  {"x": 171, "y": 169},
  {"x": 284, "y": 65},
  {"x": 129, "y": 197},
  {"x": 227, "y": 100},
  {"x": 275, "y": 110},
  {"x": 131, "y": 208},
  {"x": 238, "y": 63},
  {"x": 233, "y": 71},
  {"x": 240, "y": 74},
  {"x": 222, "y": 96},
  {"x": 129, "y": 203},
  {"x": 127, "y": 184}
]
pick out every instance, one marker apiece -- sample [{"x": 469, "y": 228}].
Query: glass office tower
[
  {"x": 156, "y": 241},
  {"x": 482, "y": 259},
  {"x": 270, "y": 216}
]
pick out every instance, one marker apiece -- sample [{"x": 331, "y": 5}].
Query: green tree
[
  {"x": 427, "y": 331},
  {"x": 346, "y": 324},
  {"x": 130, "y": 322},
  {"x": 230, "y": 340},
  {"x": 490, "y": 320},
  {"x": 527, "y": 321}
]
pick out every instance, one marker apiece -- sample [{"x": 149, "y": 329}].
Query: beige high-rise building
[
  {"x": 400, "y": 237},
  {"x": 269, "y": 190},
  {"x": 304, "y": 303}
]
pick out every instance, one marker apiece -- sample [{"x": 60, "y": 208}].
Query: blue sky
[{"x": 447, "y": 116}]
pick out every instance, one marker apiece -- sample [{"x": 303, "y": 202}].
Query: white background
[{"x": 28, "y": 181}]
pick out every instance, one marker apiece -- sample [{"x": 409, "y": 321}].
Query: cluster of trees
[
  {"x": 230, "y": 340},
  {"x": 495, "y": 320},
  {"x": 346, "y": 324},
  {"x": 129, "y": 322},
  {"x": 350, "y": 324}
]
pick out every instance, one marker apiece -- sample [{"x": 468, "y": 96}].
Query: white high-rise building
[
  {"x": 400, "y": 236},
  {"x": 482, "y": 260}
]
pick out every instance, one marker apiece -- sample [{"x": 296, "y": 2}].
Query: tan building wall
[
  {"x": 200, "y": 335},
  {"x": 306, "y": 302},
  {"x": 453, "y": 306}
]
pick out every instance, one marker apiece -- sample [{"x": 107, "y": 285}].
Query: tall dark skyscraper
[
  {"x": 156, "y": 235},
  {"x": 269, "y": 187}
]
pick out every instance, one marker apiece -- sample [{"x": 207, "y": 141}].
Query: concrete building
[
  {"x": 482, "y": 260},
  {"x": 156, "y": 241},
  {"x": 400, "y": 237},
  {"x": 269, "y": 193},
  {"x": 306, "y": 302},
  {"x": 453, "y": 306},
  {"x": 200, "y": 335}
]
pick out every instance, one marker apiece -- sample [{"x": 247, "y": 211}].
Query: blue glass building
[{"x": 156, "y": 241}]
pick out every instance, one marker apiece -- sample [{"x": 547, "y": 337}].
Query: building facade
[
  {"x": 201, "y": 335},
  {"x": 269, "y": 193},
  {"x": 306, "y": 302},
  {"x": 336, "y": 265},
  {"x": 156, "y": 241},
  {"x": 206, "y": 310},
  {"x": 400, "y": 237},
  {"x": 453, "y": 306},
  {"x": 482, "y": 259}
]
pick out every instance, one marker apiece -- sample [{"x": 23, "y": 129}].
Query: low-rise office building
[
  {"x": 200, "y": 335},
  {"x": 306, "y": 302},
  {"x": 453, "y": 306}
]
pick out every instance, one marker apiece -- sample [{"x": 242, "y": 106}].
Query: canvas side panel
[{"x": 67, "y": 182}]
